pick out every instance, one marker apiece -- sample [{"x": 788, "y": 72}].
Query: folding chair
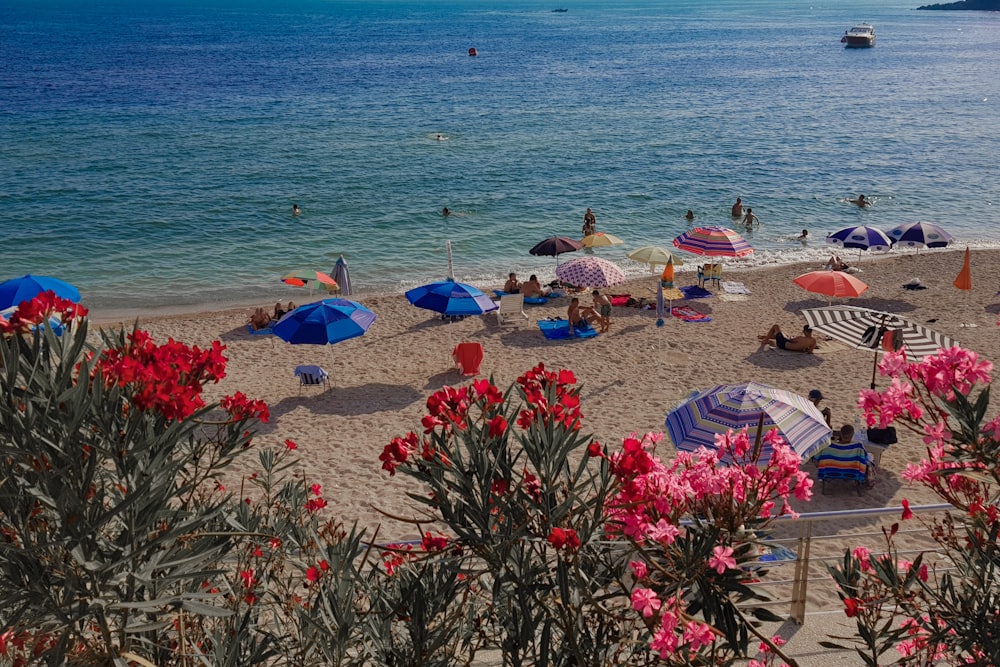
[
  {"x": 843, "y": 461},
  {"x": 468, "y": 357},
  {"x": 716, "y": 275},
  {"x": 312, "y": 376}
]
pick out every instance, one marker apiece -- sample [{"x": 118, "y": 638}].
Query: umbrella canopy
[
  {"x": 964, "y": 279},
  {"x": 342, "y": 275},
  {"x": 654, "y": 256},
  {"x": 919, "y": 235},
  {"x": 714, "y": 242},
  {"x": 601, "y": 240},
  {"x": 451, "y": 298},
  {"x": 831, "y": 283},
  {"x": 590, "y": 272},
  {"x": 27, "y": 287},
  {"x": 311, "y": 279},
  {"x": 696, "y": 421},
  {"x": 867, "y": 329},
  {"x": 556, "y": 245},
  {"x": 324, "y": 322},
  {"x": 861, "y": 237}
]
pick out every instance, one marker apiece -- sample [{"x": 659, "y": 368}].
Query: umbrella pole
[{"x": 451, "y": 265}]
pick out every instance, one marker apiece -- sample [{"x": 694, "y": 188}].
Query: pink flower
[
  {"x": 863, "y": 556},
  {"x": 722, "y": 559},
  {"x": 936, "y": 434},
  {"x": 645, "y": 601},
  {"x": 697, "y": 635},
  {"x": 639, "y": 569},
  {"x": 907, "y": 513},
  {"x": 664, "y": 532}
]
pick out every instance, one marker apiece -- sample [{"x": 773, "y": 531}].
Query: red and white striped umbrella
[
  {"x": 590, "y": 272},
  {"x": 713, "y": 241}
]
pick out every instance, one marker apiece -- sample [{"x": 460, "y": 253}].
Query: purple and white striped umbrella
[
  {"x": 714, "y": 242},
  {"x": 919, "y": 235},
  {"x": 861, "y": 237},
  {"x": 590, "y": 272}
]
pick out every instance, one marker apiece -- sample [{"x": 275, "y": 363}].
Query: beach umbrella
[
  {"x": 697, "y": 420},
  {"x": 964, "y": 279},
  {"x": 451, "y": 298},
  {"x": 27, "y": 287},
  {"x": 601, "y": 240},
  {"x": 590, "y": 272},
  {"x": 714, "y": 242},
  {"x": 654, "y": 256},
  {"x": 555, "y": 246},
  {"x": 324, "y": 322},
  {"x": 835, "y": 284},
  {"x": 867, "y": 329},
  {"x": 861, "y": 237},
  {"x": 919, "y": 235},
  {"x": 311, "y": 279},
  {"x": 342, "y": 275}
]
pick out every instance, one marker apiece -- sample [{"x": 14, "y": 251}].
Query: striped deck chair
[{"x": 848, "y": 461}]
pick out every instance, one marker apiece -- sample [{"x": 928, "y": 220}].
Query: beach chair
[
  {"x": 716, "y": 275},
  {"x": 843, "y": 461},
  {"x": 312, "y": 376},
  {"x": 468, "y": 357},
  {"x": 511, "y": 306}
]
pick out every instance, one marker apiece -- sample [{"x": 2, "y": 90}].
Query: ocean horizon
[{"x": 151, "y": 155}]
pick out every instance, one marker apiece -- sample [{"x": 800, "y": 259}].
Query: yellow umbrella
[
  {"x": 600, "y": 240},
  {"x": 654, "y": 256}
]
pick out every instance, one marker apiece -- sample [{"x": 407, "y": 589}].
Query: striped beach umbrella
[
  {"x": 710, "y": 412},
  {"x": 867, "y": 329},
  {"x": 714, "y": 242},
  {"x": 590, "y": 272},
  {"x": 919, "y": 235},
  {"x": 861, "y": 237}
]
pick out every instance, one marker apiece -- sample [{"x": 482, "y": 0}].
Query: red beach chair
[{"x": 468, "y": 357}]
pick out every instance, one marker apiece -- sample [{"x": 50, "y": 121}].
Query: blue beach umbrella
[
  {"x": 696, "y": 421},
  {"x": 324, "y": 322},
  {"x": 861, "y": 237},
  {"x": 919, "y": 235},
  {"x": 451, "y": 298},
  {"x": 27, "y": 287}
]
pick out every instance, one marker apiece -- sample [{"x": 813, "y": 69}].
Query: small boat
[
  {"x": 860, "y": 36},
  {"x": 559, "y": 11},
  {"x": 472, "y": 51}
]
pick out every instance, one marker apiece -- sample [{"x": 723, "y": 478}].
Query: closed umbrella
[
  {"x": 710, "y": 412},
  {"x": 713, "y": 242},
  {"x": 451, "y": 298},
  {"x": 654, "y": 256},
  {"x": 861, "y": 237},
  {"x": 324, "y": 322},
  {"x": 867, "y": 329},
  {"x": 964, "y": 279},
  {"x": 919, "y": 235},
  {"x": 342, "y": 275},
  {"x": 590, "y": 272},
  {"x": 835, "y": 284},
  {"x": 27, "y": 287},
  {"x": 601, "y": 240}
]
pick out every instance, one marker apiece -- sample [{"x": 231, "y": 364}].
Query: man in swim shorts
[
  {"x": 602, "y": 305},
  {"x": 580, "y": 319},
  {"x": 804, "y": 343}
]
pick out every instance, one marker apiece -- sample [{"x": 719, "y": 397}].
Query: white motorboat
[{"x": 860, "y": 36}]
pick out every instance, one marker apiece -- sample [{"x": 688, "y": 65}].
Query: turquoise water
[{"x": 151, "y": 154}]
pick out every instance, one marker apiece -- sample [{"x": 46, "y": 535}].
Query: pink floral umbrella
[{"x": 590, "y": 272}]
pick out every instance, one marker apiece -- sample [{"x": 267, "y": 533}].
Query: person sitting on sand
[
  {"x": 259, "y": 319},
  {"x": 836, "y": 264},
  {"x": 861, "y": 201},
  {"x": 532, "y": 288},
  {"x": 815, "y": 396},
  {"x": 580, "y": 319},
  {"x": 738, "y": 208},
  {"x": 804, "y": 343},
  {"x": 290, "y": 307},
  {"x": 513, "y": 285},
  {"x": 602, "y": 304},
  {"x": 278, "y": 311}
]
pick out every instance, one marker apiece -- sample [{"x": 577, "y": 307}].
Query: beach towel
[
  {"x": 619, "y": 299},
  {"x": 559, "y": 330},
  {"x": 733, "y": 287},
  {"x": 536, "y": 300},
  {"x": 733, "y": 297},
  {"x": 689, "y": 314},
  {"x": 695, "y": 292}
]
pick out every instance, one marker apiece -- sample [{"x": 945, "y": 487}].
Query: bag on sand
[{"x": 882, "y": 436}]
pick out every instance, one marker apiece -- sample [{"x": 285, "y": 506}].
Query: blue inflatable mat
[{"x": 559, "y": 330}]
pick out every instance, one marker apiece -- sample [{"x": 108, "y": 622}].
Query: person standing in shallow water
[
  {"x": 589, "y": 223},
  {"x": 738, "y": 208}
]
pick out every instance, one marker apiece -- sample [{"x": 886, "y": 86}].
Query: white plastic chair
[{"x": 511, "y": 305}]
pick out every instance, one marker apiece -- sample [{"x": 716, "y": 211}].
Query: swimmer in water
[
  {"x": 689, "y": 215},
  {"x": 803, "y": 236},
  {"x": 445, "y": 212},
  {"x": 295, "y": 209},
  {"x": 440, "y": 137},
  {"x": 861, "y": 201}
]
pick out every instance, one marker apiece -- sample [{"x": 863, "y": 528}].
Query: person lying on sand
[
  {"x": 260, "y": 319},
  {"x": 836, "y": 264},
  {"x": 804, "y": 343}
]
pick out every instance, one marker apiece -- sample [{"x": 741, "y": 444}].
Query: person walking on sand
[
  {"x": 738, "y": 208},
  {"x": 804, "y": 343},
  {"x": 589, "y": 223},
  {"x": 602, "y": 304}
]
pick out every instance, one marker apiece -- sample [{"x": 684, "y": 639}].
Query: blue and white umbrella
[
  {"x": 696, "y": 421},
  {"x": 861, "y": 237},
  {"x": 451, "y": 298},
  {"x": 27, "y": 287},
  {"x": 324, "y": 322},
  {"x": 919, "y": 235}
]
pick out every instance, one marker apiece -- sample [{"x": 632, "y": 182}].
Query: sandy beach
[{"x": 631, "y": 376}]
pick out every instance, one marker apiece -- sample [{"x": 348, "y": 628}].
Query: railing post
[{"x": 798, "y": 610}]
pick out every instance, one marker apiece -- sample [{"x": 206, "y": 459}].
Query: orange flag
[
  {"x": 668, "y": 274},
  {"x": 964, "y": 280}
]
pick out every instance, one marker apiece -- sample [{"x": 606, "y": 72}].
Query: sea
[{"x": 151, "y": 152}]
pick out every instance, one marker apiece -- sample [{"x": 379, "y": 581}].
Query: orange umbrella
[
  {"x": 964, "y": 280},
  {"x": 831, "y": 283}
]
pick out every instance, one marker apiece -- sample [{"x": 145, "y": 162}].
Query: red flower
[
  {"x": 907, "y": 513},
  {"x": 312, "y": 573},
  {"x": 564, "y": 538},
  {"x": 432, "y": 543},
  {"x": 852, "y": 606},
  {"x": 289, "y": 444},
  {"x": 594, "y": 449},
  {"x": 498, "y": 425}
]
